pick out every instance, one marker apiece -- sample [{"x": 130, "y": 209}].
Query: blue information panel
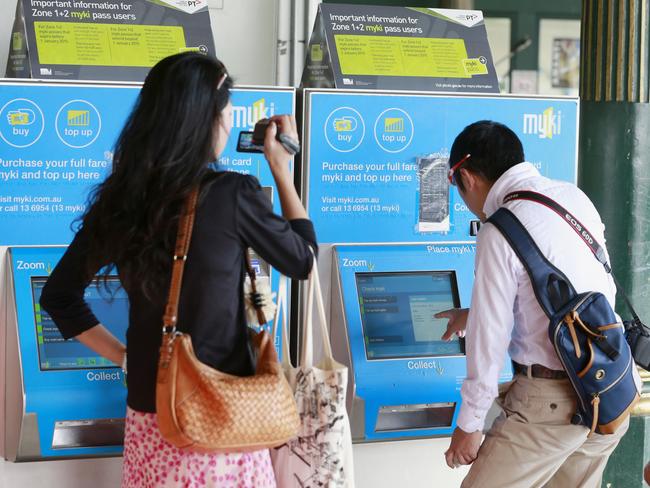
[
  {"x": 86, "y": 386},
  {"x": 57, "y": 140},
  {"x": 376, "y": 163}
]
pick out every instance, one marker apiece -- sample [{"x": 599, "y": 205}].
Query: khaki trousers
[{"x": 533, "y": 444}]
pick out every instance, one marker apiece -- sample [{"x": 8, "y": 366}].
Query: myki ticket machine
[
  {"x": 397, "y": 242},
  {"x": 62, "y": 399},
  {"x": 404, "y": 379}
]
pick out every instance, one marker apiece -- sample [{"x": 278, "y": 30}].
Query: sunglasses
[{"x": 452, "y": 170}]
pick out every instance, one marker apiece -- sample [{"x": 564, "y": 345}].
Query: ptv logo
[{"x": 187, "y": 6}]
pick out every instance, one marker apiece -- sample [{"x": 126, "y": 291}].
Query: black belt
[{"x": 539, "y": 371}]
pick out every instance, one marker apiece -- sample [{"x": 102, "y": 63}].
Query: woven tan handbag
[{"x": 205, "y": 410}]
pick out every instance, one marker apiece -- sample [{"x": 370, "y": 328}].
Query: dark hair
[
  {"x": 162, "y": 154},
  {"x": 494, "y": 149}
]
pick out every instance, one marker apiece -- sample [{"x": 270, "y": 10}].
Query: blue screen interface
[
  {"x": 397, "y": 312},
  {"x": 111, "y": 307}
]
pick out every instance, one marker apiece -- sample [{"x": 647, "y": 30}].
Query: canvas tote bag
[{"x": 321, "y": 455}]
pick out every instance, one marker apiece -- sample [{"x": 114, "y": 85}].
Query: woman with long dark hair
[{"x": 179, "y": 125}]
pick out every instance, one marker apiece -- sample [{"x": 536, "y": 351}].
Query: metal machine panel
[
  {"x": 396, "y": 418},
  {"x": 66, "y": 401}
]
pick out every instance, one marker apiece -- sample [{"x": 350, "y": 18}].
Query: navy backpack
[{"x": 586, "y": 334}]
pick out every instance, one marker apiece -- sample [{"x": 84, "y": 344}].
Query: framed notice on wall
[
  {"x": 104, "y": 40},
  {"x": 559, "y": 56}
]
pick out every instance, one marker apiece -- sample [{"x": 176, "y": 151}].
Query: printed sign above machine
[
  {"x": 104, "y": 40},
  {"x": 380, "y": 47},
  {"x": 377, "y": 162}
]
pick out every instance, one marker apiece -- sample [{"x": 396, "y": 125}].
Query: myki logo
[
  {"x": 545, "y": 125},
  {"x": 247, "y": 116}
]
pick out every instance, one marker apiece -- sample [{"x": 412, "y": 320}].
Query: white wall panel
[{"x": 245, "y": 34}]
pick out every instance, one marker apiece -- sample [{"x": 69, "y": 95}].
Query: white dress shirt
[{"x": 504, "y": 313}]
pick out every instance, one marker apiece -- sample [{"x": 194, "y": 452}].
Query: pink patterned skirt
[{"x": 152, "y": 462}]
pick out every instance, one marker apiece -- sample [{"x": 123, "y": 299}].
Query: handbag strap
[
  {"x": 314, "y": 291},
  {"x": 587, "y": 237},
  {"x": 183, "y": 239}
]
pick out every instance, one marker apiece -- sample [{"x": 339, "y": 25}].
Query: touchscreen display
[
  {"x": 110, "y": 307},
  {"x": 397, "y": 312}
]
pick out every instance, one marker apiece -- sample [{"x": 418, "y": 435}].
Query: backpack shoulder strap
[{"x": 552, "y": 288}]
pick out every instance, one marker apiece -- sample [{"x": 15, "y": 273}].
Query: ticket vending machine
[
  {"x": 404, "y": 380},
  {"x": 62, "y": 399},
  {"x": 374, "y": 181},
  {"x": 375, "y": 167}
]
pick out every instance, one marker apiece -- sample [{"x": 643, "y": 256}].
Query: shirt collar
[{"x": 509, "y": 181}]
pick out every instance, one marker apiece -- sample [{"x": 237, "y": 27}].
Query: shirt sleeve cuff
[
  {"x": 73, "y": 326},
  {"x": 305, "y": 229},
  {"x": 470, "y": 420}
]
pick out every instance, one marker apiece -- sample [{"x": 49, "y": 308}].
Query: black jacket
[{"x": 233, "y": 215}]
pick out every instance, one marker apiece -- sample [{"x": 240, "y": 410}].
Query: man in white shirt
[{"x": 532, "y": 443}]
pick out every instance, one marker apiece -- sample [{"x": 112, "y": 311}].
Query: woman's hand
[
  {"x": 278, "y": 159},
  {"x": 457, "y": 322},
  {"x": 100, "y": 340},
  {"x": 274, "y": 151}
]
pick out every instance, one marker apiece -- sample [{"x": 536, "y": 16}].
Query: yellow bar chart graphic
[
  {"x": 394, "y": 124},
  {"x": 78, "y": 118}
]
